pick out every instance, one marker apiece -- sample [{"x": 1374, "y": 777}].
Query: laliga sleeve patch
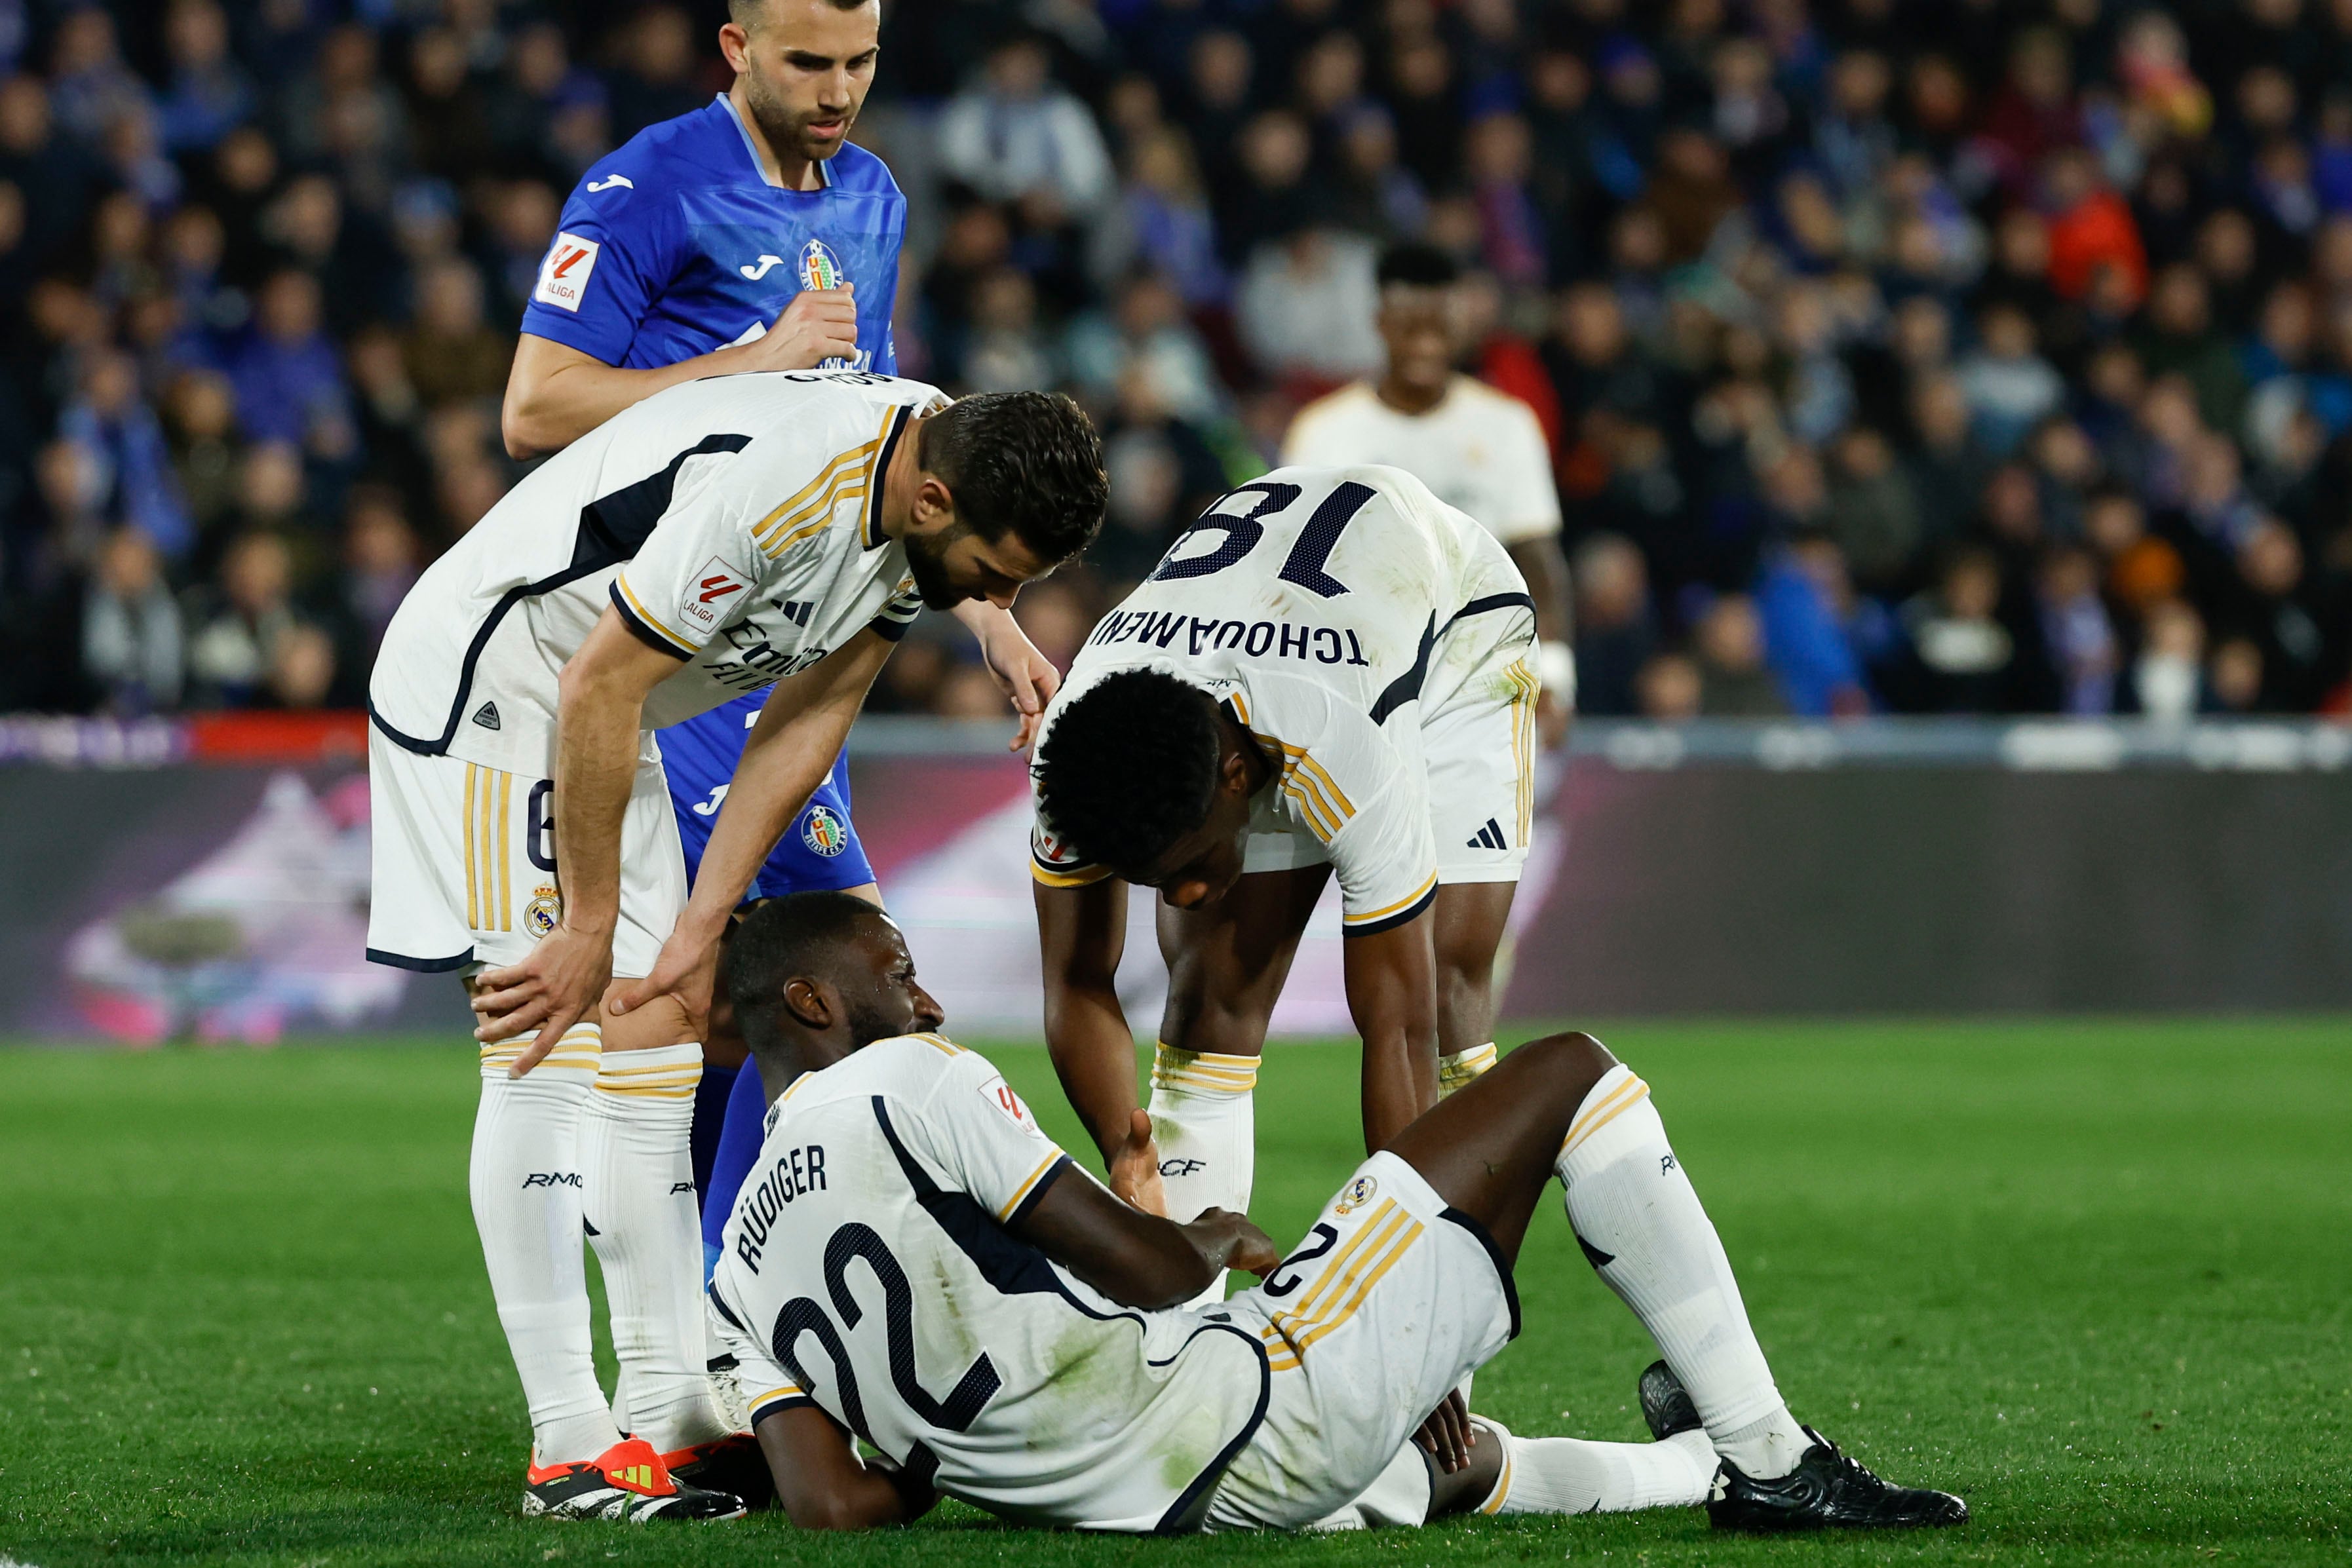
[
  {"x": 713, "y": 594},
  {"x": 1007, "y": 1105},
  {"x": 563, "y": 276}
]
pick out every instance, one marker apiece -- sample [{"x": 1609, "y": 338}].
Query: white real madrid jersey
[
  {"x": 1480, "y": 450},
  {"x": 734, "y": 522},
  {"x": 1311, "y": 603},
  {"x": 868, "y": 1269}
]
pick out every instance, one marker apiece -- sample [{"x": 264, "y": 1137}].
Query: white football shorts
[
  {"x": 465, "y": 863},
  {"x": 1477, "y": 741},
  {"x": 1391, "y": 1302}
]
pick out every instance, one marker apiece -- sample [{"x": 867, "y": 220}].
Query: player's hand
[
  {"x": 1448, "y": 1434},
  {"x": 820, "y": 324},
  {"x": 1134, "y": 1168},
  {"x": 559, "y": 983},
  {"x": 687, "y": 969},
  {"x": 1551, "y": 720},
  {"x": 1230, "y": 1240},
  {"x": 1026, "y": 678}
]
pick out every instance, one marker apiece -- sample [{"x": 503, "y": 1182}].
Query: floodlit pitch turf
[{"x": 2094, "y": 1276}]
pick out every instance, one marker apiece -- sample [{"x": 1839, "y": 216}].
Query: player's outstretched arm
[
  {"x": 1081, "y": 932},
  {"x": 601, "y": 698},
  {"x": 787, "y": 755},
  {"x": 556, "y": 394},
  {"x": 1140, "y": 1259},
  {"x": 1391, "y": 981},
  {"x": 1026, "y": 678},
  {"x": 824, "y": 1485}
]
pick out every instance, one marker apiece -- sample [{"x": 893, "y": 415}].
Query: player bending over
[
  {"x": 721, "y": 537},
  {"x": 1329, "y": 674},
  {"x": 916, "y": 1266}
]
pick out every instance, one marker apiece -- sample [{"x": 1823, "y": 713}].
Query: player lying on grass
[
  {"x": 721, "y": 537},
  {"x": 1329, "y": 674},
  {"x": 916, "y": 1266}
]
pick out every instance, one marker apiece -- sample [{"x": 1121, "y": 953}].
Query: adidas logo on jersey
[
  {"x": 1489, "y": 837},
  {"x": 487, "y": 715}
]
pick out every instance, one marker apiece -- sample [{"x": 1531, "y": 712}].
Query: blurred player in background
[
  {"x": 1477, "y": 448},
  {"x": 749, "y": 234},
  {"x": 1331, "y": 674}
]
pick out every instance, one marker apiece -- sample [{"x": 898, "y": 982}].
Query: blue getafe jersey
[
  {"x": 819, "y": 852},
  {"x": 676, "y": 245}
]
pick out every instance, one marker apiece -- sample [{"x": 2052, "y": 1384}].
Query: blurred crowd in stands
[{"x": 1896, "y": 355}]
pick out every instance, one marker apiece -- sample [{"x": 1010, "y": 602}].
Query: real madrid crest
[
  {"x": 545, "y": 909},
  {"x": 1356, "y": 1194}
]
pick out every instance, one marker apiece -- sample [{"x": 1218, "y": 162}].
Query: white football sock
[
  {"x": 1570, "y": 1475},
  {"x": 1460, "y": 1069},
  {"x": 1642, "y": 1227},
  {"x": 526, "y": 1185},
  {"x": 638, "y": 1167},
  {"x": 1202, "y": 1121}
]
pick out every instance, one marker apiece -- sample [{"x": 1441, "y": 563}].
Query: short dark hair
[
  {"x": 799, "y": 934},
  {"x": 1417, "y": 265},
  {"x": 743, "y": 13},
  {"x": 1128, "y": 767},
  {"x": 1025, "y": 461}
]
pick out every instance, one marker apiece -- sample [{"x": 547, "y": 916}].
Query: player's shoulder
[
  {"x": 856, "y": 169},
  {"x": 905, "y": 1068},
  {"x": 1333, "y": 408},
  {"x": 657, "y": 162},
  {"x": 1482, "y": 401}
]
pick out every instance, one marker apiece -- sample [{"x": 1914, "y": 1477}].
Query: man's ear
[
  {"x": 934, "y": 505},
  {"x": 736, "y": 45},
  {"x": 810, "y": 1004},
  {"x": 1233, "y": 774}
]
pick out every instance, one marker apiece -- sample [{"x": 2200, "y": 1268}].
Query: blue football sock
[
  {"x": 739, "y": 1146},
  {"x": 710, "y": 1114}
]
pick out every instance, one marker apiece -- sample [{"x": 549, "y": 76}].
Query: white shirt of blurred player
[{"x": 1479, "y": 450}]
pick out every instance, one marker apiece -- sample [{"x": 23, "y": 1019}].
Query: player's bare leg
[
  {"x": 1564, "y": 1107},
  {"x": 1226, "y": 965},
  {"x": 1470, "y": 920}
]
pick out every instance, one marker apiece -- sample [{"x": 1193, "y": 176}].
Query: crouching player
[{"x": 916, "y": 1266}]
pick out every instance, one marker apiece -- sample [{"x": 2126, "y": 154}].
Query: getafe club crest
[
  {"x": 1356, "y": 1194},
  {"x": 545, "y": 909},
  {"x": 824, "y": 831},
  {"x": 820, "y": 269}
]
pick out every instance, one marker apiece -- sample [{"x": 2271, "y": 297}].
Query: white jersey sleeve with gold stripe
[
  {"x": 1356, "y": 788},
  {"x": 873, "y": 1266},
  {"x": 733, "y": 523}
]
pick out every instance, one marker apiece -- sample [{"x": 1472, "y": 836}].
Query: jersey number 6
[{"x": 1309, "y": 553}]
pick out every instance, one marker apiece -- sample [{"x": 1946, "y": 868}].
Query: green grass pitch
[{"x": 2091, "y": 1275}]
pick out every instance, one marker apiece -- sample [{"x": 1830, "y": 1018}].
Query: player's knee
[{"x": 1566, "y": 1065}]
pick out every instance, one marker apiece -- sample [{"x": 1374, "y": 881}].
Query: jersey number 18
[{"x": 1309, "y": 553}]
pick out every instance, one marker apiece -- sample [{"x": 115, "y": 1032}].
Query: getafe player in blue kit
[{"x": 747, "y": 235}]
